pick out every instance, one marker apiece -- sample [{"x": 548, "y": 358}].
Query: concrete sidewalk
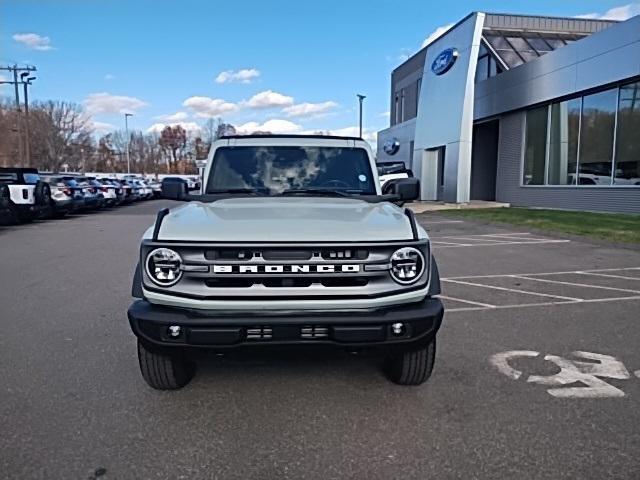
[{"x": 422, "y": 207}]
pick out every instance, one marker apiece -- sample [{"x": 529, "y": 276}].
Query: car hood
[{"x": 286, "y": 219}]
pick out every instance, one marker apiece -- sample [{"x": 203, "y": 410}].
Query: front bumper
[{"x": 347, "y": 328}]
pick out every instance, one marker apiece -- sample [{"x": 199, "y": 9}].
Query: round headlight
[
  {"x": 407, "y": 265},
  {"x": 163, "y": 266}
]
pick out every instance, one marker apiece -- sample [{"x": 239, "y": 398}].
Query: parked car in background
[
  {"x": 62, "y": 197},
  {"x": 136, "y": 191},
  {"x": 93, "y": 198},
  {"x": 146, "y": 192},
  {"x": 24, "y": 194},
  {"x": 192, "y": 183},
  {"x": 390, "y": 170},
  {"x": 117, "y": 188},
  {"x": 107, "y": 191},
  {"x": 77, "y": 192},
  {"x": 156, "y": 187}
]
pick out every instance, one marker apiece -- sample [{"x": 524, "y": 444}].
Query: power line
[{"x": 15, "y": 69}]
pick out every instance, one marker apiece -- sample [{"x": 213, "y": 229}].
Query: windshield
[
  {"x": 31, "y": 178},
  {"x": 274, "y": 170}
]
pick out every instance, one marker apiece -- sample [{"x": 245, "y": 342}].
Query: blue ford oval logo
[
  {"x": 444, "y": 61},
  {"x": 391, "y": 146}
]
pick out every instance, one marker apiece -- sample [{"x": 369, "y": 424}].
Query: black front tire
[
  {"x": 164, "y": 371},
  {"x": 412, "y": 367}
]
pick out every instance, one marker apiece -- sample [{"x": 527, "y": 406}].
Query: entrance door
[{"x": 484, "y": 160}]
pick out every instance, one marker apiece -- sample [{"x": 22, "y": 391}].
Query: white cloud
[
  {"x": 386, "y": 114},
  {"x": 174, "y": 117},
  {"x": 437, "y": 33},
  {"x": 106, "y": 103},
  {"x": 273, "y": 126},
  {"x": 368, "y": 135},
  {"x": 623, "y": 12},
  {"x": 309, "y": 109},
  {"x": 34, "y": 41},
  {"x": 190, "y": 127},
  {"x": 245, "y": 75},
  {"x": 102, "y": 127},
  {"x": 3, "y": 78},
  {"x": 206, "y": 107},
  {"x": 109, "y": 76},
  {"x": 269, "y": 99}
]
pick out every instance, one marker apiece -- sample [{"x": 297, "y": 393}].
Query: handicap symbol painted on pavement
[{"x": 584, "y": 368}]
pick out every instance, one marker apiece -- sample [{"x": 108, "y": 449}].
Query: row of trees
[{"x": 61, "y": 137}]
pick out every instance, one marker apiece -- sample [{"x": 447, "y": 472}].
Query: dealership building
[{"x": 533, "y": 111}]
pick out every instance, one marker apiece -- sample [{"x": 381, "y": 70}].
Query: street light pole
[
  {"x": 126, "y": 128},
  {"x": 360, "y": 99}
]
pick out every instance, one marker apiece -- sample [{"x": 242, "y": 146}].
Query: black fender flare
[
  {"x": 434, "y": 281},
  {"x": 136, "y": 286}
]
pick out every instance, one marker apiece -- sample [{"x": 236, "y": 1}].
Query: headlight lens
[
  {"x": 163, "y": 266},
  {"x": 407, "y": 265}
]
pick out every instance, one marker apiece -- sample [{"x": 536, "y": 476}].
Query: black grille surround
[{"x": 280, "y": 271}]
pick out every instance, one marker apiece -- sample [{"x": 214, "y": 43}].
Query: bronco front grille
[{"x": 273, "y": 271}]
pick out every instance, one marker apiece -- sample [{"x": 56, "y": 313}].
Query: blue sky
[{"x": 290, "y": 65}]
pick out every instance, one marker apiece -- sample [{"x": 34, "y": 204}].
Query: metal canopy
[{"x": 515, "y": 48}]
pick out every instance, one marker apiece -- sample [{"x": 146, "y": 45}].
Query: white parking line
[
  {"x": 478, "y": 304},
  {"x": 514, "y": 290},
  {"x": 574, "y": 284},
  {"x": 498, "y": 243},
  {"x": 607, "y": 275},
  {"x": 470, "y": 277},
  {"x": 437, "y": 222},
  {"x": 542, "y": 304},
  {"x": 490, "y": 239},
  {"x": 438, "y": 242}
]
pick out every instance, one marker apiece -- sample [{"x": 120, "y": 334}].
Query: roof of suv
[{"x": 261, "y": 135}]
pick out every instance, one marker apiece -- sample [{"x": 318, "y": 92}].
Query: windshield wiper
[
  {"x": 314, "y": 191},
  {"x": 236, "y": 190}
]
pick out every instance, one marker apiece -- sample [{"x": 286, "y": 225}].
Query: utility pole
[
  {"x": 15, "y": 69},
  {"x": 27, "y": 143},
  {"x": 360, "y": 100},
  {"x": 126, "y": 129}
]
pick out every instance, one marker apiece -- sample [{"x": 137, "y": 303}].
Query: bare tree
[
  {"x": 61, "y": 134},
  {"x": 173, "y": 139}
]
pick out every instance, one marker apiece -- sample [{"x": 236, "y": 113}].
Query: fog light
[
  {"x": 398, "y": 329},
  {"x": 174, "y": 331}
]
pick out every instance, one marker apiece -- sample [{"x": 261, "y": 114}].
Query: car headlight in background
[
  {"x": 407, "y": 265},
  {"x": 163, "y": 266}
]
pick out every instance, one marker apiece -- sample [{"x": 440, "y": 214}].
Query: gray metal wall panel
[{"x": 508, "y": 189}]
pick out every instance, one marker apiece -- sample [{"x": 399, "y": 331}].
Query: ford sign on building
[
  {"x": 533, "y": 111},
  {"x": 444, "y": 61}
]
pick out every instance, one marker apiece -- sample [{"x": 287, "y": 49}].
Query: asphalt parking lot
[{"x": 536, "y": 376}]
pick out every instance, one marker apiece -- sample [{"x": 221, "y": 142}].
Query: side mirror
[
  {"x": 406, "y": 189},
  {"x": 175, "y": 191}
]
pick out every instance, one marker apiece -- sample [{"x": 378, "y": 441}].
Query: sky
[{"x": 280, "y": 66}]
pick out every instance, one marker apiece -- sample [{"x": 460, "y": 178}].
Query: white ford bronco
[{"x": 292, "y": 242}]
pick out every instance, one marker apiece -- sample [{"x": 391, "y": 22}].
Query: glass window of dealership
[{"x": 588, "y": 140}]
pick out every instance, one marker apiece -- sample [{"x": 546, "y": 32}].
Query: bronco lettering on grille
[{"x": 323, "y": 268}]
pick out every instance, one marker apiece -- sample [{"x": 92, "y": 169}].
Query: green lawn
[{"x": 605, "y": 226}]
